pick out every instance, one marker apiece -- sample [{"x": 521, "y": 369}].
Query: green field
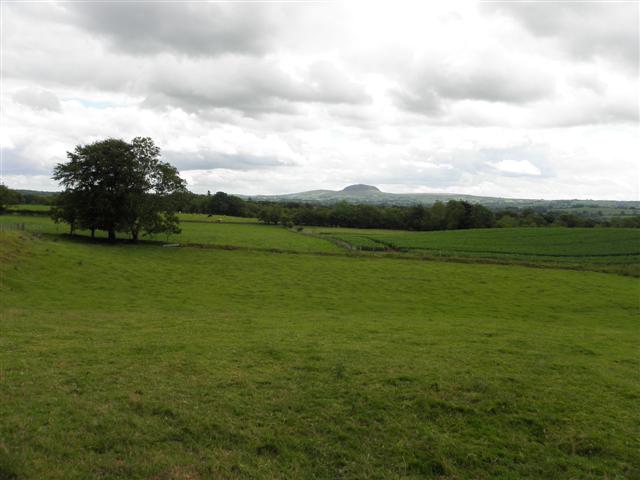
[
  {"x": 200, "y": 217},
  {"x": 226, "y": 234},
  {"x": 609, "y": 249},
  {"x": 30, "y": 208},
  {"x": 145, "y": 362},
  {"x": 552, "y": 242}
]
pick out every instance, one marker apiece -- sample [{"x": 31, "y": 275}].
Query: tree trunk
[
  {"x": 93, "y": 234},
  {"x": 134, "y": 236},
  {"x": 112, "y": 236}
]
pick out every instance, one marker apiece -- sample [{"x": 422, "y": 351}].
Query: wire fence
[{"x": 33, "y": 227}]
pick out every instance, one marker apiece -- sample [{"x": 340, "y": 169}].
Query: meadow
[
  {"x": 615, "y": 250},
  {"x": 36, "y": 208},
  {"x": 601, "y": 249},
  {"x": 204, "y": 232},
  {"x": 143, "y": 362}
]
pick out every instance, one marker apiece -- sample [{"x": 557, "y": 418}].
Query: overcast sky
[{"x": 531, "y": 100}]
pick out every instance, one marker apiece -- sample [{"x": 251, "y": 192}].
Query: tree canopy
[
  {"x": 116, "y": 186},
  {"x": 7, "y": 197}
]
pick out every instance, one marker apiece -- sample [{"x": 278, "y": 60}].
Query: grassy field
[
  {"x": 226, "y": 234},
  {"x": 614, "y": 249},
  {"x": 554, "y": 242},
  {"x": 30, "y": 207},
  {"x": 144, "y": 362},
  {"x": 200, "y": 217}
]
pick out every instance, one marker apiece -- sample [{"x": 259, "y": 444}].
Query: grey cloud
[
  {"x": 430, "y": 84},
  {"x": 16, "y": 162},
  {"x": 422, "y": 100},
  {"x": 37, "y": 99},
  {"x": 493, "y": 83},
  {"x": 587, "y": 29},
  {"x": 187, "y": 28},
  {"x": 412, "y": 174},
  {"x": 250, "y": 86},
  {"x": 211, "y": 160}
]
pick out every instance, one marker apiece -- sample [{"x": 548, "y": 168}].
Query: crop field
[
  {"x": 555, "y": 242},
  {"x": 616, "y": 249},
  {"x": 144, "y": 362}
]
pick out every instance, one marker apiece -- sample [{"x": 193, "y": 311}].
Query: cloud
[
  {"x": 208, "y": 160},
  {"x": 585, "y": 29},
  {"x": 248, "y": 85},
  {"x": 432, "y": 84},
  {"x": 266, "y": 98},
  {"x": 141, "y": 28},
  {"x": 17, "y": 161},
  {"x": 516, "y": 167},
  {"x": 37, "y": 99}
]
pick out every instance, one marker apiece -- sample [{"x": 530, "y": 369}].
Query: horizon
[
  {"x": 252, "y": 196},
  {"x": 252, "y": 97}
]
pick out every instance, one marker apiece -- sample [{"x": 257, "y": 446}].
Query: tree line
[{"x": 451, "y": 215}]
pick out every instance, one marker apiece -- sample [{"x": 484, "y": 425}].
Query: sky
[{"x": 512, "y": 99}]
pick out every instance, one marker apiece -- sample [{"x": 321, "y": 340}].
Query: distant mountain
[
  {"x": 368, "y": 194},
  {"x": 360, "y": 188}
]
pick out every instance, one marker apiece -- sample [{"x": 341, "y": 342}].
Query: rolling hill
[{"x": 368, "y": 194}]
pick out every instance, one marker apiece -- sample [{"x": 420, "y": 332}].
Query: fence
[{"x": 33, "y": 227}]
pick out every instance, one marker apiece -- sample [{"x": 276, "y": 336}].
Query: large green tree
[{"x": 117, "y": 186}]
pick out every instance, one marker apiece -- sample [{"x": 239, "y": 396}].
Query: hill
[{"x": 368, "y": 194}]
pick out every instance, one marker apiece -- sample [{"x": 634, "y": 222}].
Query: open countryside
[
  {"x": 311, "y": 240},
  {"x": 241, "y": 359}
]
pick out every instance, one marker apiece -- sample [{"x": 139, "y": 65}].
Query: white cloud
[
  {"x": 517, "y": 167},
  {"x": 492, "y": 99}
]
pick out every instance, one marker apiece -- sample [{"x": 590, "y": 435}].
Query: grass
[
  {"x": 231, "y": 234},
  {"x": 255, "y": 236},
  {"x": 615, "y": 250},
  {"x": 145, "y": 362},
  {"x": 30, "y": 208},
  {"x": 200, "y": 217},
  {"x": 552, "y": 242}
]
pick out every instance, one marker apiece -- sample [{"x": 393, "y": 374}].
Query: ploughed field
[{"x": 138, "y": 361}]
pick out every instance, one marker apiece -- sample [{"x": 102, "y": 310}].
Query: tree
[
  {"x": 7, "y": 197},
  {"x": 117, "y": 186},
  {"x": 223, "y": 204}
]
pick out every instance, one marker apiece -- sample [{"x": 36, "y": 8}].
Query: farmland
[
  {"x": 203, "y": 232},
  {"x": 600, "y": 249},
  {"x": 234, "y": 358},
  {"x": 137, "y": 361},
  {"x": 615, "y": 249}
]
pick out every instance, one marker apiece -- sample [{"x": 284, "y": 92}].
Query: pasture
[
  {"x": 36, "y": 208},
  {"x": 137, "y": 361},
  {"x": 227, "y": 234},
  {"x": 607, "y": 249},
  {"x": 614, "y": 250}
]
